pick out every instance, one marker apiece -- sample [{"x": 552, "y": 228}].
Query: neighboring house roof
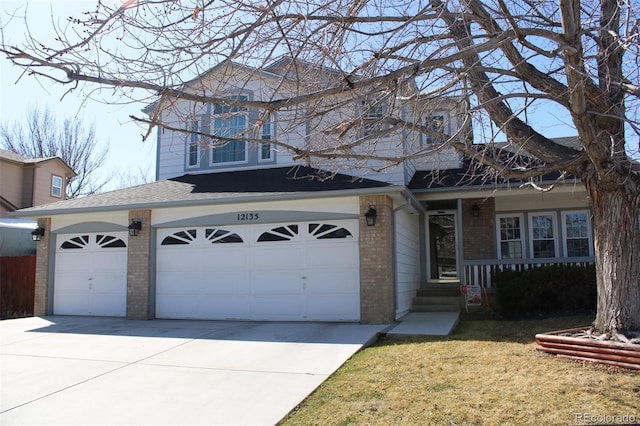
[
  {"x": 240, "y": 186},
  {"x": 17, "y": 158}
]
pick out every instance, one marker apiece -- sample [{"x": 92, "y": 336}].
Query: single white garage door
[
  {"x": 91, "y": 274},
  {"x": 306, "y": 271}
]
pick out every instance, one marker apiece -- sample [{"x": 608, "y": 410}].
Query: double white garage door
[
  {"x": 297, "y": 271},
  {"x": 291, "y": 271}
]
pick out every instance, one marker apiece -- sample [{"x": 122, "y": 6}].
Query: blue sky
[{"x": 127, "y": 152}]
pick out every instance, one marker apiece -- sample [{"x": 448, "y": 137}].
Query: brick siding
[
  {"x": 376, "y": 262},
  {"x": 43, "y": 258},
  {"x": 138, "y": 268},
  {"x": 478, "y": 233}
]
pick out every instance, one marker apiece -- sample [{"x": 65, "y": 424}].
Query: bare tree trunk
[{"x": 617, "y": 250}]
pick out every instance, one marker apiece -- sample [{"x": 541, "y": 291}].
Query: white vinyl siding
[{"x": 407, "y": 245}]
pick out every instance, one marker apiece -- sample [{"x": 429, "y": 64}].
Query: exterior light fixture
[
  {"x": 475, "y": 210},
  {"x": 134, "y": 228},
  {"x": 370, "y": 216},
  {"x": 37, "y": 233}
]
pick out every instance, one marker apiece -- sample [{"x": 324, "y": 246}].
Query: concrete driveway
[{"x": 90, "y": 371}]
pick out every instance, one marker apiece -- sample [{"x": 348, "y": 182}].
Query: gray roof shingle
[{"x": 212, "y": 188}]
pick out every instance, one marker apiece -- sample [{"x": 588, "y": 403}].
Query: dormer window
[{"x": 56, "y": 186}]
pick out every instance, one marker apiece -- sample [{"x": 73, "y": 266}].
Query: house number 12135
[{"x": 246, "y": 217}]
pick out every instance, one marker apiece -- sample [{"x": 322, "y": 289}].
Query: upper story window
[
  {"x": 193, "y": 146},
  {"x": 437, "y": 126},
  {"x": 372, "y": 113},
  {"x": 229, "y": 122},
  {"x": 56, "y": 186},
  {"x": 265, "y": 153}
]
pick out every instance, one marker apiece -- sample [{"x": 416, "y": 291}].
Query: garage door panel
[
  {"x": 226, "y": 307},
  {"x": 332, "y": 255},
  {"x": 333, "y": 308},
  {"x": 278, "y": 306},
  {"x": 277, "y": 256},
  {"x": 71, "y": 304},
  {"x": 277, "y": 282},
  {"x": 71, "y": 262},
  {"x": 194, "y": 283},
  {"x": 204, "y": 307},
  {"x": 110, "y": 305},
  {"x": 71, "y": 281},
  {"x": 108, "y": 283},
  {"x": 337, "y": 281}
]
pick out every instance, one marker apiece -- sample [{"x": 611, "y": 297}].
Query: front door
[{"x": 443, "y": 249}]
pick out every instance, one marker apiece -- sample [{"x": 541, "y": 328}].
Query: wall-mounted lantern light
[
  {"x": 134, "y": 228},
  {"x": 37, "y": 233},
  {"x": 370, "y": 216},
  {"x": 475, "y": 210}
]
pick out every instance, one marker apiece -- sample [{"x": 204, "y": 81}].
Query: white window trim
[
  {"x": 522, "y": 234},
  {"x": 564, "y": 213},
  {"x": 54, "y": 186},
  {"x": 554, "y": 217}
]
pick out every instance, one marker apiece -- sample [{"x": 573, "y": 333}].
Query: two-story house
[
  {"x": 28, "y": 182},
  {"x": 247, "y": 226}
]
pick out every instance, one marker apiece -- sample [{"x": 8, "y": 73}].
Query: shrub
[{"x": 546, "y": 289}]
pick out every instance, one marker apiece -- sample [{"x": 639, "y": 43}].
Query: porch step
[
  {"x": 434, "y": 307},
  {"x": 439, "y": 291},
  {"x": 441, "y": 298}
]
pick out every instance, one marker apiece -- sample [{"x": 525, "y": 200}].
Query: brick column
[
  {"x": 377, "y": 303},
  {"x": 138, "y": 268},
  {"x": 43, "y": 258},
  {"x": 479, "y": 233}
]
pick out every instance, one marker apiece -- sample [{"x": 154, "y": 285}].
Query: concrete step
[
  {"x": 436, "y": 300},
  {"x": 438, "y": 291},
  {"x": 435, "y": 308}
]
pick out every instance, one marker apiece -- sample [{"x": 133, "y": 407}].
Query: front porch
[
  {"x": 480, "y": 273},
  {"x": 447, "y": 297}
]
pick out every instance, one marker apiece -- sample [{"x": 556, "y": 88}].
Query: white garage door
[
  {"x": 91, "y": 274},
  {"x": 305, "y": 271}
]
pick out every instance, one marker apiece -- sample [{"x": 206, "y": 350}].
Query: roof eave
[{"x": 285, "y": 196}]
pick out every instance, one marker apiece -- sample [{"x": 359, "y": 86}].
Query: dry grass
[{"x": 486, "y": 373}]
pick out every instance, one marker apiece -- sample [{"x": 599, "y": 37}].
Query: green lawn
[{"x": 486, "y": 373}]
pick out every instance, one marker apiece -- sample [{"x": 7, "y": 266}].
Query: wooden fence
[{"x": 17, "y": 286}]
